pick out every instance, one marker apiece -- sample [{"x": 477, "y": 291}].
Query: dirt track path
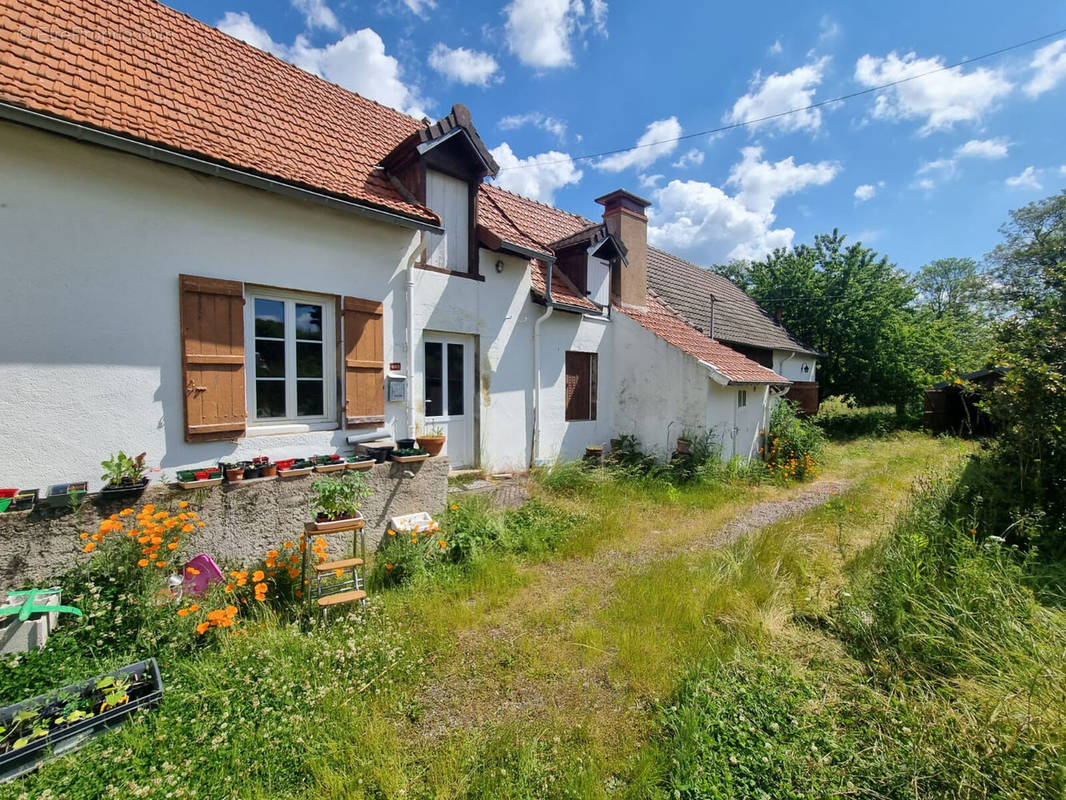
[{"x": 498, "y": 671}]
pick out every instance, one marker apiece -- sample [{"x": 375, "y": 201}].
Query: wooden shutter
[
  {"x": 212, "y": 349},
  {"x": 364, "y": 362},
  {"x": 579, "y": 381}
]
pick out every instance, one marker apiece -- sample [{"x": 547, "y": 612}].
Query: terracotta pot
[
  {"x": 235, "y": 474},
  {"x": 431, "y": 444},
  {"x": 268, "y": 470}
]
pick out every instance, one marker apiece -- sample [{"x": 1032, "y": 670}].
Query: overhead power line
[{"x": 779, "y": 114}]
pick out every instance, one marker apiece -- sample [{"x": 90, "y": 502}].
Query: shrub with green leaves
[{"x": 793, "y": 444}]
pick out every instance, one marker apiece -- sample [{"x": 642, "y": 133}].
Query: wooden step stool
[{"x": 351, "y": 588}]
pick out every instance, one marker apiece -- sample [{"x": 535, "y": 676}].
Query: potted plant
[
  {"x": 24, "y": 500},
  {"x": 380, "y": 453},
  {"x": 360, "y": 462},
  {"x": 409, "y": 455},
  {"x": 251, "y": 470},
  {"x": 199, "y": 478},
  {"x": 405, "y": 444},
  {"x": 336, "y": 500},
  {"x": 63, "y": 495},
  {"x": 63, "y": 721},
  {"x": 266, "y": 469},
  {"x": 233, "y": 472},
  {"x": 124, "y": 475},
  {"x": 294, "y": 467},
  {"x": 330, "y": 463},
  {"x": 7, "y": 497},
  {"x": 432, "y": 441}
]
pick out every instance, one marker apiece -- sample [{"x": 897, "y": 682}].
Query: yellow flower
[
  {"x": 455, "y": 506},
  {"x": 443, "y": 544},
  {"x": 338, "y": 572}
]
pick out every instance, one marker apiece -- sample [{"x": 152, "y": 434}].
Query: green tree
[
  {"x": 1030, "y": 402},
  {"x": 855, "y": 307},
  {"x": 953, "y": 315}
]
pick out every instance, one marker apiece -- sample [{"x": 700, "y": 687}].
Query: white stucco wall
[
  {"x": 790, "y": 365},
  {"x": 93, "y": 243}
]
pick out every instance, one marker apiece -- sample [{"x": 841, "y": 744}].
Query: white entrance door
[{"x": 448, "y": 361}]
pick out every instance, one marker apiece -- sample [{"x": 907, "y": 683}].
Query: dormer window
[{"x": 449, "y": 197}]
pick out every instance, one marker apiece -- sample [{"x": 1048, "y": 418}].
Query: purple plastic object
[{"x": 207, "y": 574}]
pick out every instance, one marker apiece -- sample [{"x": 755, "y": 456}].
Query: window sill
[
  {"x": 282, "y": 428},
  {"x": 452, "y": 272}
]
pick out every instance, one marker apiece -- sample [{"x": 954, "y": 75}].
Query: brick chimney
[{"x": 623, "y": 213}]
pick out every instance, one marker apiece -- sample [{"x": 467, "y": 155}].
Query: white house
[{"x": 209, "y": 255}]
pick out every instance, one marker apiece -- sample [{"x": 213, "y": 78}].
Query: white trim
[
  {"x": 329, "y": 361},
  {"x": 266, "y": 429}
]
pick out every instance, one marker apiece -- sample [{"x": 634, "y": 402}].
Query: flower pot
[
  {"x": 294, "y": 468},
  {"x": 234, "y": 474},
  {"x": 379, "y": 454},
  {"x": 24, "y": 500},
  {"x": 408, "y": 457},
  {"x": 432, "y": 444},
  {"x": 323, "y": 523},
  {"x": 8, "y": 493},
  {"x": 405, "y": 444},
  {"x": 65, "y": 737},
  {"x": 333, "y": 466},
  {"x": 124, "y": 489},
  {"x": 268, "y": 471},
  {"x": 251, "y": 473},
  {"x": 62, "y": 494},
  {"x": 359, "y": 462}
]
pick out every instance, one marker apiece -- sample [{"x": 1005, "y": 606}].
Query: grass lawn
[{"x": 643, "y": 654}]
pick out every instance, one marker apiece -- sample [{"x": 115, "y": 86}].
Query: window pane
[
  {"x": 308, "y": 360},
  {"x": 269, "y": 399},
  {"x": 455, "y": 379},
  {"x": 269, "y": 359},
  {"x": 270, "y": 318},
  {"x": 434, "y": 380},
  {"x": 308, "y": 322},
  {"x": 309, "y": 399}
]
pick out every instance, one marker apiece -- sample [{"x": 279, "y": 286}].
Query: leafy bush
[
  {"x": 537, "y": 528},
  {"x": 121, "y": 467},
  {"x": 793, "y": 444},
  {"x": 842, "y": 420},
  {"x": 337, "y": 496}
]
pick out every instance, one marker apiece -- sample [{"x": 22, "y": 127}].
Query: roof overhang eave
[
  {"x": 526, "y": 252},
  {"x": 114, "y": 141}
]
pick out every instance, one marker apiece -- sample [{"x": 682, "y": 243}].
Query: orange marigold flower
[
  {"x": 183, "y": 504},
  {"x": 202, "y": 628},
  {"x": 388, "y": 566},
  {"x": 83, "y": 535},
  {"x": 194, "y": 607},
  {"x": 231, "y": 611},
  {"x": 443, "y": 544},
  {"x": 192, "y": 571},
  {"x": 338, "y": 572},
  {"x": 293, "y": 572},
  {"x": 229, "y": 587},
  {"x": 172, "y": 546},
  {"x": 257, "y": 576},
  {"x": 391, "y": 532},
  {"x": 455, "y": 506},
  {"x": 89, "y": 547},
  {"x": 260, "y": 588},
  {"x": 160, "y": 564},
  {"x": 200, "y": 524},
  {"x": 125, "y": 512},
  {"x": 187, "y": 528},
  {"x": 286, "y": 544},
  {"x": 272, "y": 554},
  {"x": 143, "y": 562},
  {"x": 183, "y": 612}
]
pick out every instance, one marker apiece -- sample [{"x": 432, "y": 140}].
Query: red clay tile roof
[
  {"x": 667, "y": 325},
  {"x": 525, "y": 222},
  {"x": 563, "y": 289},
  {"x": 147, "y": 72}
]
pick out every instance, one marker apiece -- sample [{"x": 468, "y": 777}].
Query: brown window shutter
[
  {"x": 212, "y": 349},
  {"x": 364, "y": 364},
  {"x": 578, "y": 385}
]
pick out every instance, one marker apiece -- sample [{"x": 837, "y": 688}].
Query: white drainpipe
[
  {"x": 535, "y": 454},
  {"x": 410, "y": 284}
]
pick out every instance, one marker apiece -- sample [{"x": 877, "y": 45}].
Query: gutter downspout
[
  {"x": 534, "y": 454},
  {"x": 409, "y": 283}
]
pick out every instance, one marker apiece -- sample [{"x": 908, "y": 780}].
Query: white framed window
[
  {"x": 290, "y": 357},
  {"x": 742, "y": 398}
]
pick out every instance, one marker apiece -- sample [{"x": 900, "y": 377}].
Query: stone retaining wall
[{"x": 243, "y": 520}]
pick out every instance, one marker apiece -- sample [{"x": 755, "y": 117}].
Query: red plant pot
[{"x": 8, "y": 492}]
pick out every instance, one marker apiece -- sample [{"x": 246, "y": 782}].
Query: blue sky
[{"x": 919, "y": 172}]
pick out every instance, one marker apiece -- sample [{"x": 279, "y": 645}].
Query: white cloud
[
  {"x": 700, "y": 221},
  {"x": 1049, "y": 64},
  {"x": 420, "y": 7},
  {"x": 928, "y": 184},
  {"x": 659, "y": 139},
  {"x": 1026, "y": 179},
  {"x": 828, "y": 29},
  {"x": 777, "y": 93},
  {"x": 693, "y": 158},
  {"x": 775, "y": 49},
  {"x": 941, "y": 100},
  {"x": 1062, "y": 170},
  {"x": 541, "y": 32},
  {"x": 317, "y": 14},
  {"x": 983, "y": 148},
  {"x": 650, "y": 183},
  {"x": 760, "y": 183},
  {"x": 865, "y": 191},
  {"x": 537, "y": 177},
  {"x": 556, "y": 127},
  {"x": 356, "y": 61},
  {"x": 462, "y": 65}
]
